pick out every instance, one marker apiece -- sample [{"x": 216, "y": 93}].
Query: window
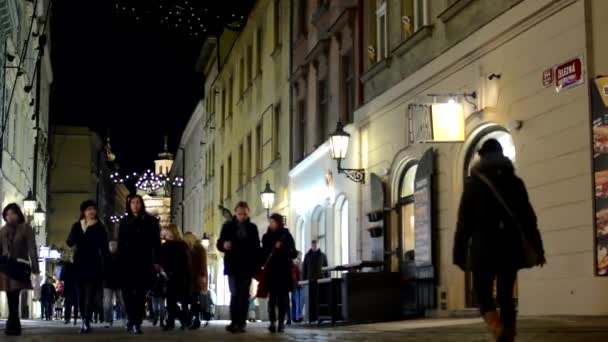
[
  {"x": 320, "y": 228},
  {"x": 349, "y": 87},
  {"x": 241, "y": 171},
  {"x": 224, "y": 108},
  {"x": 242, "y": 77},
  {"x": 276, "y": 131},
  {"x": 250, "y": 65},
  {"x": 222, "y": 179},
  {"x": 323, "y": 98},
  {"x": 406, "y": 212},
  {"x": 344, "y": 245},
  {"x": 212, "y": 160},
  {"x": 277, "y": 23},
  {"x": 301, "y": 236},
  {"x": 249, "y": 157},
  {"x": 229, "y": 177},
  {"x": 302, "y": 18},
  {"x": 230, "y": 95},
  {"x": 260, "y": 48},
  {"x": 300, "y": 133},
  {"x": 258, "y": 148},
  {"x": 381, "y": 30}
]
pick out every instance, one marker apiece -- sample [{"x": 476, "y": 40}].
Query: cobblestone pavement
[{"x": 541, "y": 329}]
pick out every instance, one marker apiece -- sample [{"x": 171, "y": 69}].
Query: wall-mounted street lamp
[
  {"x": 339, "y": 147},
  {"x": 267, "y": 198},
  {"x": 29, "y": 204},
  {"x": 39, "y": 219}
]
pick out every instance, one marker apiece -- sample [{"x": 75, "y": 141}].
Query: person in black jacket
[
  {"x": 48, "y": 296},
  {"x": 278, "y": 249},
  {"x": 493, "y": 233},
  {"x": 139, "y": 258},
  {"x": 240, "y": 242},
  {"x": 175, "y": 261},
  {"x": 314, "y": 261},
  {"x": 89, "y": 240},
  {"x": 70, "y": 292}
]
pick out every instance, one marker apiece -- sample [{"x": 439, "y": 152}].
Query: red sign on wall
[
  {"x": 548, "y": 77},
  {"x": 569, "y": 74}
]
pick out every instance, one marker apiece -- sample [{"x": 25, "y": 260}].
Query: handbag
[
  {"x": 530, "y": 257},
  {"x": 17, "y": 269}
]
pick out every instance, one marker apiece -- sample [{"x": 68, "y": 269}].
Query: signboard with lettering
[
  {"x": 423, "y": 211},
  {"x": 420, "y": 124},
  {"x": 569, "y": 74},
  {"x": 548, "y": 78},
  {"x": 599, "y": 107}
]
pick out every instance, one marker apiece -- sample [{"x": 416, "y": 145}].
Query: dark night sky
[{"x": 134, "y": 76}]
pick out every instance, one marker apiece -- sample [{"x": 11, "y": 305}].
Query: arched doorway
[
  {"x": 502, "y": 135},
  {"x": 405, "y": 208},
  {"x": 341, "y": 231},
  {"x": 319, "y": 228},
  {"x": 300, "y": 235}
]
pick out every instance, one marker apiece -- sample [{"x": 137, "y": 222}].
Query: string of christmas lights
[{"x": 148, "y": 181}]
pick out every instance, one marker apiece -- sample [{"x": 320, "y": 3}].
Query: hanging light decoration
[{"x": 148, "y": 181}]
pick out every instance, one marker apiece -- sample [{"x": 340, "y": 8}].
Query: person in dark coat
[
  {"x": 278, "y": 249},
  {"x": 111, "y": 285},
  {"x": 89, "y": 240},
  {"x": 198, "y": 277},
  {"x": 494, "y": 236},
  {"x": 48, "y": 296},
  {"x": 70, "y": 292},
  {"x": 240, "y": 242},
  {"x": 18, "y": 242},
  {"x": 139, "y": 258},
  {"x": 314, "y": 261},
  {"x": 175, "y": 261}
]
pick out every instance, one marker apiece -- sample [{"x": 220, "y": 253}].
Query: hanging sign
[
  {"x": 599, "y": 107},
  {"x": 569, "y": 74}
]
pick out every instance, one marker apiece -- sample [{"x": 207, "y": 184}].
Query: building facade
[
  {"x": 26, "y": 76},
  {"x": 502, "y": 63}
]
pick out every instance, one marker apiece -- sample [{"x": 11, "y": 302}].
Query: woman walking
[
  {"x": 199, "y": 277},
  {"x": 89, "y": 240},
  {"x": 175, "y": 261},
  {"x": 138, "y": 257},
  {"x": 17, "y": 241},
  {"x": 279, "y": 250}
]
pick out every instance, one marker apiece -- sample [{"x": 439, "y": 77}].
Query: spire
[{"x": 165, "y": 154}]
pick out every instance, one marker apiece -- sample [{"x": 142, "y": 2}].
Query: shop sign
[
  {"x": 569, "y": 74},
  {"x": 599, "y": 105},
  {"x": 548, "y": 78}
]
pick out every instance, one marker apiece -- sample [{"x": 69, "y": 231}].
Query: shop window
[
  {"x": 381, "y": 30},
  {"x": 406, "y": 213}
]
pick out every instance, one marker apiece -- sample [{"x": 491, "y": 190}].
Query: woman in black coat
[
  {"x": 138, "y": 257},
  {"x": 175, "y": 261},
  {"x": 89, "y": 240},
  {"x": 279, "y": 250}
]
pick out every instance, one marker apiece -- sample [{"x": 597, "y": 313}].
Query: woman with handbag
[
  {"x": 89, "y": 240},
  {"x": 496, "y": 236},
  {"x": 17, "y": 242},
  {"x": 198, "y": 277},
  {"x": 279, "y": 250}
]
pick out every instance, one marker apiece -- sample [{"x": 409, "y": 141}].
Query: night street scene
[{"x": 304, "y": 170}]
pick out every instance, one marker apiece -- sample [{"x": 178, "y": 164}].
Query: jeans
[
  {"x": 280, "y": 300},
  {"x": 47, "y": 310},
  {"x": 159, "y": 312},
  {"x": 135, "y": 304},
  {"x": 297, "y": 300},
  {"x": 13, "y": 323},
  {"x": 483, "y": 281},
  {"x": 87, "y": 297},
  {"x": 69, "y": 304},
  {"x": 239, "y": 298},
  {"x": 109, "y": 295}
]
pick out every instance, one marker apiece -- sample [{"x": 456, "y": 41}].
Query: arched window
[
  {"x": 342, "y": 244},
  {"x": 406, "y": 212},
  {"x": 320, "y": 228},
  {"x": 300, "y": 235}
]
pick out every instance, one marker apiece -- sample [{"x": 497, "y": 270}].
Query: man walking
[
  {"x": 240, "y": 243},
  {"x": 314, "y": 261},
  {"x": 48, "y": 297}
]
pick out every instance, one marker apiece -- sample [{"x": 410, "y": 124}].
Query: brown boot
[{"x": 493, "y": 323}]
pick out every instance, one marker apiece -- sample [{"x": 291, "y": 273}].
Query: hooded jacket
[{"x": 487, "y": 237}]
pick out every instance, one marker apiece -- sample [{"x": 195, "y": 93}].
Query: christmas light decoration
[{"x": 148, "y": 181}]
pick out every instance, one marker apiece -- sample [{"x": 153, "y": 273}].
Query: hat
[
  {"x": 86, "y": 204},
  {"x": 490, "y": 146}
]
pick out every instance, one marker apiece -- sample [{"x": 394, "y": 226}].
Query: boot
[
  {"x": 493, "y": 323},
  {"x": 508, "y": 332},
  {"x": 272, "y": 328},
  {"x": 13, "y": 328}
]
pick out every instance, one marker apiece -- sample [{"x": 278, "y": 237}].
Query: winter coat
[
  {"x": 245, "y": 256},
  {"x": 138, "y": 250},
  {"x": 91, "y": 251},
  {"x": 48, "y": 294},
  {"x": 112, "y": 273},
  {"x": 68, "y": 276},
  {"x": 175, "y": 261},
  {"x": 487, "y": 237},
  {"x": 18, "y": 242},
  {"x": 278, "y": 270},
  {"x": 198, "y": 269},
  {"x": 313, "y": 265}
]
